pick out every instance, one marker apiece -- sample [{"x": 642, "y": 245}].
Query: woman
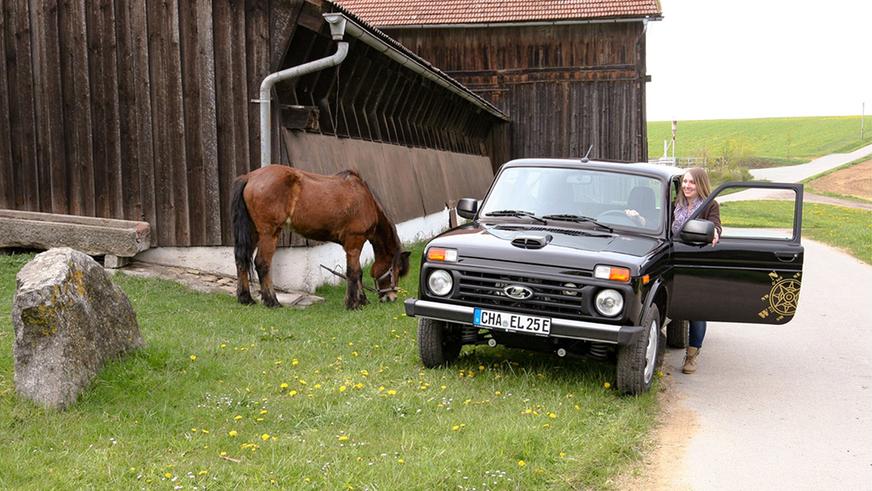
[{"x": 694, "y": 190}]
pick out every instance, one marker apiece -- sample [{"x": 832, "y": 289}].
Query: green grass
[
  {"x": 762, "y": 142},
  {"x": 363, "y": 413},
  {"x": 848, "y": 229}
]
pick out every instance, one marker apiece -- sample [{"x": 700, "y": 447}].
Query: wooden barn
[
  {"x": 148, "y": 109},
  {"x": 569, "y": 73}
]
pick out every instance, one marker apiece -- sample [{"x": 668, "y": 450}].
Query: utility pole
[
  {"x": 674, "y": 130},
  {"x": 863, "y": 121}
]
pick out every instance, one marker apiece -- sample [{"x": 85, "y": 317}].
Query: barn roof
[{"x": 427, "y": 13}]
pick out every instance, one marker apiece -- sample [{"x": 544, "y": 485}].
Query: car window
[{"x": 605, "y": 196}]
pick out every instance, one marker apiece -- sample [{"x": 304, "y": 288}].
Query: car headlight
[
  {"x": 609, "y": 302},
  {"x": 440, "y": 282}
]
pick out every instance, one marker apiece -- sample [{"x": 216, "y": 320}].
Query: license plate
[{"x": 512, "y": 322}]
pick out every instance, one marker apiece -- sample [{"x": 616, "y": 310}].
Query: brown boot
[{"x": 690, "y": 360}]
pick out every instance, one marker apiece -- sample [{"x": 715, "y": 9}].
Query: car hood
[{"x": 572, "y": 248}]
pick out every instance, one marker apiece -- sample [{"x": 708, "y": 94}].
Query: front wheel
[
  {"x": 637, "y": 361},
  {"x": 438, "y": 342}
]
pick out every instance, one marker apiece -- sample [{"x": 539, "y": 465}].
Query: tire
[
  {"x": 677, "y": 333},
  {"x": 638, "y": 361},
  {"x": 438, "y": 342}
]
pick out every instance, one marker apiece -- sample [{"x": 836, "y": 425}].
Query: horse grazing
[{"x": 339, "y": 208}]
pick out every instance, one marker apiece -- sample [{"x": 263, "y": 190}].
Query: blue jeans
[{"x": 697, "y": 333}]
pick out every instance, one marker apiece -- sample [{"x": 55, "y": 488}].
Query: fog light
[
  {"x": 440, "y": 282},
  {"x": 609, "y": 302}
]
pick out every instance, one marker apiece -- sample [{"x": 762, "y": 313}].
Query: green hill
[{"x": 762, "y": 142}]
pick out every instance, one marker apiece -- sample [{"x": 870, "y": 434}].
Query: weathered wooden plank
[
  {"x": 7, "y": 189},
  {"x": 134, "y": 95},
  {"x": 232, "y": 103},
  {"x": 51, "y": 153},
  {"x": 283, "y": 23},
  {"x": 198, "y": 72},
  {"x": 169, "y": 129},
  {"x": 103, "y": 67},
  {"x": 22, "y": 111},
  {"x": 77, "y": 107},
  {"x": 257, "y": 42}
]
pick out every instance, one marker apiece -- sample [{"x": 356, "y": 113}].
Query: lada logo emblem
[{"x": 518, "y": 292}]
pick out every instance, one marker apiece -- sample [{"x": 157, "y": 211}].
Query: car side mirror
[
  {"x": 467, "y": 207},
  {"x": 698, "y": 231}
]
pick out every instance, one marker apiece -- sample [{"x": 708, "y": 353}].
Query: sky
[{"x": 718, "y": 59}]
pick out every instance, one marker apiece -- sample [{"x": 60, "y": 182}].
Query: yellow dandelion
[
  {"x": 223, "y": 345},
  {"x": 222, "y": 454},
  {"x": 392, "y": 392},
  {"x": 546, "y": 426},
  {"x": 358, "y": 385},
  {"x": 528, "y": 411},
  {"x": 317, "y": 386},
  {"x": 301, "y": 381},
  {"x": 263, "y": 411},
  {"x": 193, "y": 430},
  {"x": 455, "y": 428},
  {"x": 443, "y": 387},
  {"x": 401, "y": 461},
  {"x": 284, "y": 386},
  {"x": 577, "y": 407},
  {"x": 232, "y": 433},
  {"x": 562, "y": 455},
  {"x": 343, "y": 438},
  {"x": 365, "y": 373},
  {"x": 295, "y": 362},
  {"x": 342, "y": 388},
  {"x": 237, "y": 417},
  {"x": 498, "y": 393},
  {"x": 354, "y": 353},
  {"x": 204, "y": 430},
  {"x": 265, "y": 437},
  {"x": 552, "y": 415},
  {"x": 292, "y": 393},
  {"x": 481, "y": 368},
  {"x": 521, "y": 463},
  {"x": 193, "y": 357},
  {"x": 202, "y": 472},
  {"x": 381, "y": 388},
  {"x": 168, "y": 475},
  {"x": 258, "y": 419},
  {"x": 607, "y": 385}
]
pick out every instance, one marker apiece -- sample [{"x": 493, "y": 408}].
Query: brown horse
[{"x": 339, "y": 208}]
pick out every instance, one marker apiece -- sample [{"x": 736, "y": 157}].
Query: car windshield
[{"x": 577, "y": 195}]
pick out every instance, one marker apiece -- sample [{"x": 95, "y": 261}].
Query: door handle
[{"x": 786, "y": 257}]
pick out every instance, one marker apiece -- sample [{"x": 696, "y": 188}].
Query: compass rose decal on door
[{"x": 782, "y": 297}]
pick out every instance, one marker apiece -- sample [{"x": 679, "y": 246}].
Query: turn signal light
[
  {"x": 442, "y": 255},
  {"x": 612, "y": 273}
]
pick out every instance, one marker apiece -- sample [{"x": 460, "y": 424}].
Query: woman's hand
[
  {"x": 717, "y": 237},
  {"x": 635, "y": 215}
]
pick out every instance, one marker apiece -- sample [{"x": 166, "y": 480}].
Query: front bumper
[{"x": 560, "y": 328}]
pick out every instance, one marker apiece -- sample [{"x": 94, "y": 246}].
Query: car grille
[{"x": 550, "y": 297}]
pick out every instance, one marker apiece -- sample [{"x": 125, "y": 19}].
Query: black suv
[{"x": 578, "y": 257}]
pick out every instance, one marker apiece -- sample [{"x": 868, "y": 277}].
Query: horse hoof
[
  {"x": 272, "y": 303},
  {"x": 246, "y": 300}
]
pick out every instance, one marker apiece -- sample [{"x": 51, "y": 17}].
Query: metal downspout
[{"x": 337, "y": 30}]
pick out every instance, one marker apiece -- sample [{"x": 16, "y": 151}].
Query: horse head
[{"x": 387, "y": 279}]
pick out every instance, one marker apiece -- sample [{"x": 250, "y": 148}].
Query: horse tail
[{"x": 243, "y": 228}]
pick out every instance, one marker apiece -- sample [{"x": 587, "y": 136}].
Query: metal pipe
[{"x": 337, "y": 30}]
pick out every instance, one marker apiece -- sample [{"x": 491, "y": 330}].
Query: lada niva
[{"x": 578, "y": 257}]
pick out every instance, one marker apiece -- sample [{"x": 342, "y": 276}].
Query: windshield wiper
[
  {"x": 578, "y": 219},
  {"x": 515, "y": 213}
]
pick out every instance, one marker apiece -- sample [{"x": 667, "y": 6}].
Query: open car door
[{"x": 754, "y": 273}]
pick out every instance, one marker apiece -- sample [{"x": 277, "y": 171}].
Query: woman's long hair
[{"x": 703, "y": 188}]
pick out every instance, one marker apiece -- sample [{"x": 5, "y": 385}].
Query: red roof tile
[{"x": 428, "y": 12}]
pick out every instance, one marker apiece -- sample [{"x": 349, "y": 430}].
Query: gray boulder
[{"x": 69, "y": 319}]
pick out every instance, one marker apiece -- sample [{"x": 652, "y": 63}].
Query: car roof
[{"x": 661, "y": 171}]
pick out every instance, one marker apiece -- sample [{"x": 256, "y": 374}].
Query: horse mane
[{"x": 385, "y": 226}]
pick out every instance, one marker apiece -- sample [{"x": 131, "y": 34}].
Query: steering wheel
[{"x": 617, "y": 217}]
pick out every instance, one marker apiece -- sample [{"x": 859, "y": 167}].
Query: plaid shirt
[{"x": 682, "y": 213}]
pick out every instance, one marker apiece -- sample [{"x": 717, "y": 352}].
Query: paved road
[
  {"x": 784, "y": 407},
  {"x": 781, "y": 407},
  {"x": 796, "y": 173}
]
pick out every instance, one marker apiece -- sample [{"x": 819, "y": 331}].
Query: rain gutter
[{"x": 337, "y": 30}]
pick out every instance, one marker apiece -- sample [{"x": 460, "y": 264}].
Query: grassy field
[
  {"x": 762, "y": 142},
  {"x": 226, "y": 396},
  {"x": 844, "y": 228}
]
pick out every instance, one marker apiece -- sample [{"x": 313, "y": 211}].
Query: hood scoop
[{"x": 530, "y": 241}]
